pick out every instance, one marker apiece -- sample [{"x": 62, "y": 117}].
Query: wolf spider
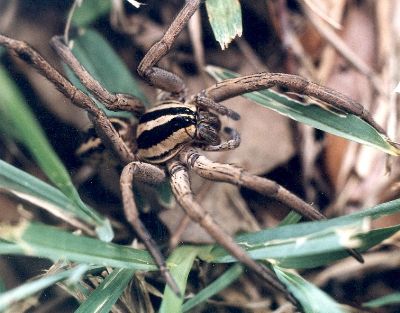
[{"x": 187, "y": 123}]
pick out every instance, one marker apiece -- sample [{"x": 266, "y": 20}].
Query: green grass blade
[
  {"x": 225, "y": 17},
  {"x": 216, "y": 286},
  {"x": 391, "y": 299},
  {"x": 10, "y": 248},
  {"x": 313, "y": 244},
  {"x": 318, "y": 247},
  {"x": 16, "y": 115},
  {"x": 28, "y": 289},
  {"x": 182, "y": 259},
  {"x": 49, "y": 242},
  {"x": 312, "y": 299},
  {"x": 344, "y": 125},
  {"x": 107, "y": 293},
  {"x": 291, "y": 218},
  {"x": 326, "y": 257},
  {"x": 35, "y": 191}
]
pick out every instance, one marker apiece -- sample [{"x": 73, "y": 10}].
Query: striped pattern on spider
[{"x": 170, "y": 134}]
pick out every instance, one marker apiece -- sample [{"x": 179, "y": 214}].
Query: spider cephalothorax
[
  {"x": 167, "y": 135},
  {"x": 166, "y": 129}
]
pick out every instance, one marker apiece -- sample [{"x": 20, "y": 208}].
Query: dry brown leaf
[{"x": 358, "y": 33}]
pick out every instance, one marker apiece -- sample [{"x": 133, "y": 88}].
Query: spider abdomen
[
  {"x": 164, "y": 130},
  {"x": 93, "y": 151}
]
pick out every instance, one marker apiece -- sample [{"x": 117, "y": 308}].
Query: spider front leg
[
  {"x": 112, "y": 101},
  {"x": 151, "y": 174},
  {"x": 181, "y": 188},
  {"x": 156, "y": 76},
  {"x": 109, "y": 135},
  {"x": 233, "y": 87},
  {"x": 234, "y": 175}
]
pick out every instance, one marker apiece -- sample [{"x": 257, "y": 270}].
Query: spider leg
[
  {"x": 181, "y": 188},
  {"x": 147, "y": 173},
  {"x": 232, "y": 143},
  {"x": 203, "y": 101},
  {"x": 234, "y": 175},
  {"x": 230, "y": 88},
  {"x": 109, "y": 135},
  {"x": 158, "y": 77},
  {"x": 113, "y": 102}
]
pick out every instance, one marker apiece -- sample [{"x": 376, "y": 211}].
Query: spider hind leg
[
  {"x": 237, "y": 176},
  {"x": 181, "y": 188},
  {"x": 151, "y": 174}
]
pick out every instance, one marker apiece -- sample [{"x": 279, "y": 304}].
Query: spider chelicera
[{"x": 169, "y": 135}]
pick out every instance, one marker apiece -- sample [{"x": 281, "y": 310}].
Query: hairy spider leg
[
  {"x": 149, "y": 173},
  {"x": 181, "y": 188},
  {"x": 112, "y": 101},
  {"x": 162, "y": 78},
  {"x": 233, "y": 87},
  {"x": 237, "y": 176}
]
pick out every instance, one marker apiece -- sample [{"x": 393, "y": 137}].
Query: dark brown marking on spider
[
  {"x": 26, "y": 57},
  {"x": 167, "y": 111},
  {"x": 152, "y": 137}
]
